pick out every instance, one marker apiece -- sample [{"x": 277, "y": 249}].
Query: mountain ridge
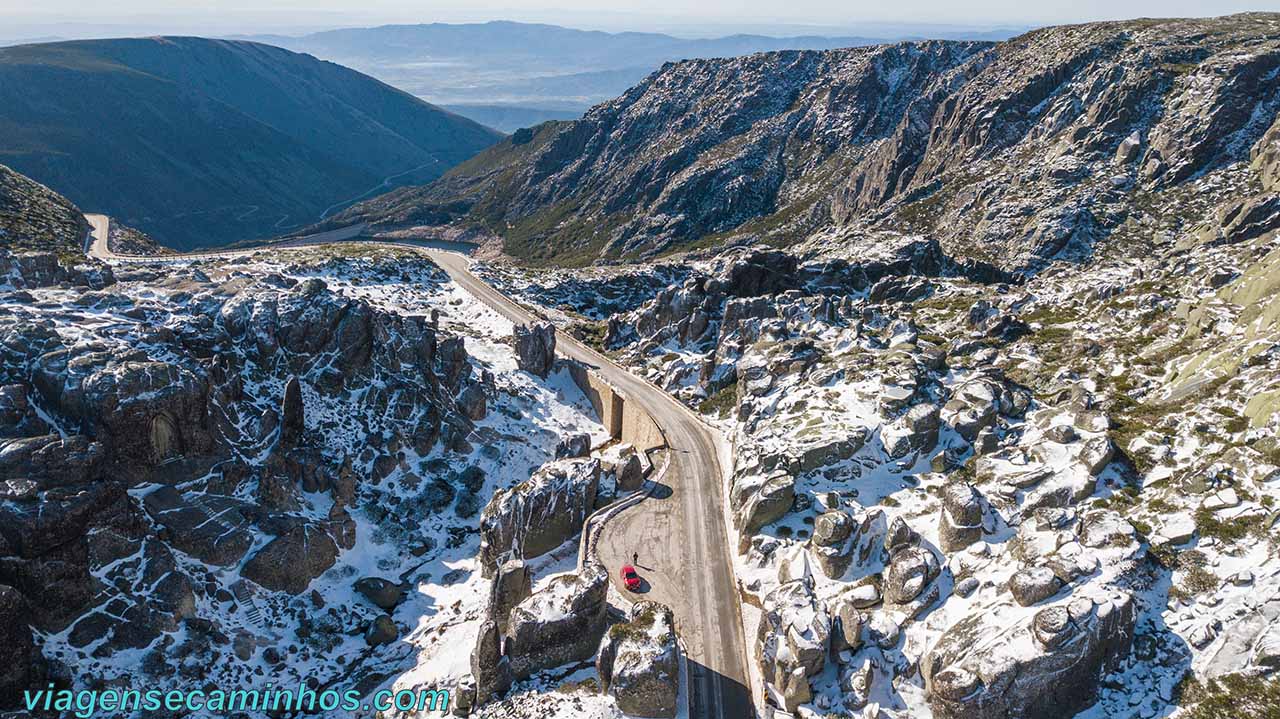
[
  {"x": 775, "y": 147},
  {"x": 252, "y": 138}
]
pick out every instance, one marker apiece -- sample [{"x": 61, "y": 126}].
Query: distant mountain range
[
  {"x": 1010, "y": 153},
  {"x": 200, "y": 142},
  {"x": 538, "y": 72}
]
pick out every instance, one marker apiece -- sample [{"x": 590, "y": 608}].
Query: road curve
[
  {"x": 679, "y": 534},
  {"x": 100, "y": 249},
  {"x": 100, "y": 230}
]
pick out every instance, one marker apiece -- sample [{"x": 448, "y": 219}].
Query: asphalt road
[
  {"x": 679, "y": 533},
  {"x": 101, "y": 230},
  {"x": 101, "y": 225}
]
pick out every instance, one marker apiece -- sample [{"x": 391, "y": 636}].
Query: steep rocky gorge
[{"x": 1013, "y": 154}]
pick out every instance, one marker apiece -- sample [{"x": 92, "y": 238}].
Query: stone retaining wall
[{"x": 625, "y": 420}]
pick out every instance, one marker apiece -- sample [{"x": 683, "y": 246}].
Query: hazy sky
[{"x": 640, "y": 14}]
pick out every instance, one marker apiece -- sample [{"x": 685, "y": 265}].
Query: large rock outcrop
[
  {"x": 1049, "y": 665},
  {"x": 841, "y": 541},
  {"x": 560, "y": 624},
  {"x": 961, "y": 520},
  {"x": 638, "y": 663},
  {"x": 214, "y": 530},
  {"x": 793, "y": 640},
  {"x": 289, "y": 562},
  {"x": 540, "y": 513},
  {"x": 535, "y": 347},
  {"x": 145, "y": 412},
  {"x": 760, "y": 500}
]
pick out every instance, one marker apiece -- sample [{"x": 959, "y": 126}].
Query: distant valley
[
  {"x": 202, "y": 142},
  {"x": 510, "y": 75}
]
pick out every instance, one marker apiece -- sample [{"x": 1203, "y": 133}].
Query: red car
[{"x": 630, "y": 578}]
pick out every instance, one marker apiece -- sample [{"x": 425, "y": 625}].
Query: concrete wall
[
  {"x": 624, "y": 420},
  {"x": 639, "y": 429}
]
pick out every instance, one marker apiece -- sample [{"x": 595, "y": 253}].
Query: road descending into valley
[{"x": 679, "y": 533}]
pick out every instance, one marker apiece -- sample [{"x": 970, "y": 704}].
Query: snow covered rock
[
  {"x": 830, "y": 543},
  {"x": 1032, "y": 585},
  {"x": 560, "y": 624},
  {"x": 629, "y": 472},
  {"x": 763, "y": 502},
  {"x": 922, "y": 422},
  {"x": 18, "y": 416},
  {"x": 31, "y": 270},
  {"x": 144, "y": 412},
  {"x": 793, "y": 639},
  {"x": 846, "y": 627},
  {"x": 289, "y": 562},
  {"x": 49, "y": 461},
  {"x": 574, "y": 446},
  {"x": 638, "y": 663},
  {"x": 1128, "y": 150},
  {"x": 960, "y": 522},
  {"x": 384, "y": 594},
  {"x": 912, "y": 570},
  {"x": 535, "y": 348},
  {"x": 540, "y": 513},
  {"x": 214, "y": 530},
  {"x": 382, "y": 630},
  {"x": 988, "y": 667}
]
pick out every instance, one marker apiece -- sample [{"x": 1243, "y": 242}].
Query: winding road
[{"x": 679, "y": 533}]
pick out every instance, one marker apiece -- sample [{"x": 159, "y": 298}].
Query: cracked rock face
[
  {"x": 289, "y": 562},
  {"x": 562, "y": 623},
  {"x": 535, "y": 348},
  {"x": 793, "y": 639}
]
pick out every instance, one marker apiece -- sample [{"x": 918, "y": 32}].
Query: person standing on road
[{"x": 635, "y": 557}]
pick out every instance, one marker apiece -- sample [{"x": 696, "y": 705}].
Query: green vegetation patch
[
  {"x": 722, "y": 402},
  {"x": 1230, "y": 530},
  {"x": 1234, "y": 695}
]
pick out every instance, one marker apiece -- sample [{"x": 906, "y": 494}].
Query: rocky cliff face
[
  {"x": 638, "y": 662},
  {"x": 540, "y": 513},
  {"x": 1014, "y": 153}
]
